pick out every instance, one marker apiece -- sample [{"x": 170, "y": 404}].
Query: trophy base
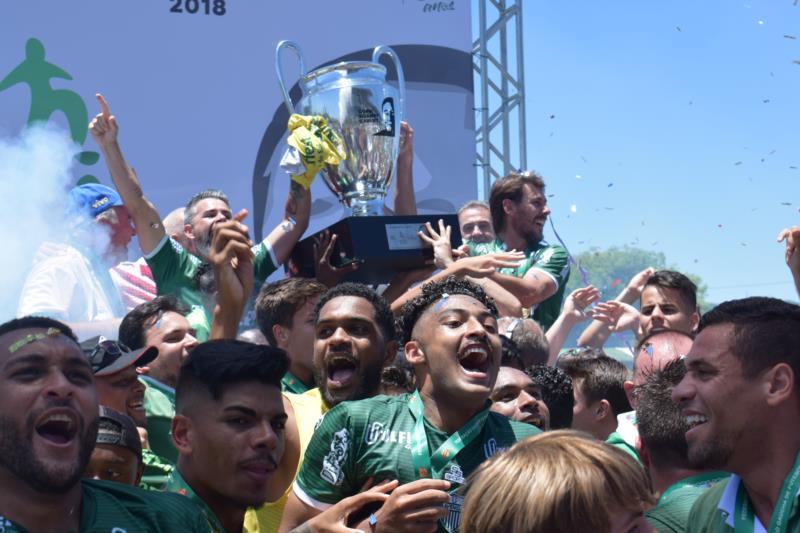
[{"x": 383, "y": 245}]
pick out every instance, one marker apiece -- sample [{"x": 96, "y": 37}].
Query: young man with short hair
[
  {"x": 430, "y": 440},
  {"x": 354, "y": 339},
  {"x": 117, "y": 454},
  {"x": 516, "y": 396},
  {"x": 741, "y": 399},
  {"x": 662, "y": 448},
  {"x": 597, "y": 382},
  {"x": 285, "y": 315},
  {"x": 161, "y": 323},
  {"x": 555, "y": 388},
  {"x": 228, "y": 428},
  {"x": 48, "y": 421},
  {"x": 667, "y": 300}
]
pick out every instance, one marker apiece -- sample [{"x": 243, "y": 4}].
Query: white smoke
[{"x": 35, "y": 175}]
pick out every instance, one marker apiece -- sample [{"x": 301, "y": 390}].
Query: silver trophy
[{"x": 365, "y": 112}]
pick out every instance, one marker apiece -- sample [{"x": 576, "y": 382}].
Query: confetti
[
  {"x": 796, "y": 62},
  {"x": 551, "y": 195},
  {"x": 786, "y": 203},
  {"x": 610, "y": 185},
  {"x": 584, "y": 159},
  {"x": 690, "y": 102},
  {"x": 551, "y": 118},
  {"x": 578, "y": 176},
  {"x": 719, "y": 225},
  {"x": 743, "y": 243},
  {"x": 695, "y": 260},
  {"x": 616, "y": 282},
  {"x": 793, "y": 168},
  {"x": 551, "y": 134},
  {"x": 760, "y": 22},
  {"x": 771, "y": 152},
  {"x": 608, "y": 208},
  {"x": 573, "y": 208},
  {"x": 793, "y": 37},
  {"x": 765, "y": 101},
  {"x": 678, "y": 28}
]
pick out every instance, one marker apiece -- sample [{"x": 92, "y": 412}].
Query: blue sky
[{"x": 674, "y": 129}]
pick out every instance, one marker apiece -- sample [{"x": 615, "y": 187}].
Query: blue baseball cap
[{"x": 92, "y": 199}]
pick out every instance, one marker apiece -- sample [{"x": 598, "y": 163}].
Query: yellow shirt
[{"x": 308, "y": 409}]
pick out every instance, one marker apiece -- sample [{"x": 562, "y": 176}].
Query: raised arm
[
  {"x": 104, "y": 130},
  {"x": 572, "y": 313},
  {"x": 534, "y": 287},
  {"x": 231, "y": 256},
  {"x": 405, "y": 202},
  {"x": 599, "y": 330},
  {"x": 295, "y": 222},
  {"x": 792, "y": 238}
]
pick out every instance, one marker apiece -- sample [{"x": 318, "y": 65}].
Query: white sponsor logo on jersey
[
  {"x": 332, "y": 463},
  {"x": 377, "y": 432}
]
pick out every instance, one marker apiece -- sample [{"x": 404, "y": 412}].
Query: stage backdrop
[{"x": 194, "y": 88}]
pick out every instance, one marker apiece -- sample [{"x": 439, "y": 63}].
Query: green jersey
[
  {"x": 671, "y": 514},
  {"x": 159, "y": 407},
  {"x": 550, "y": 260},
  {"x": 174, "y": 269},
  {"x": 616, "y": 440},
  {"x": 108, "y": 506},
  {"x": 715, "y": 511},
  {"x": 373, "y": 438},
  {"x": 178, "y": 485},
  {"x": 290, "y": 383}
]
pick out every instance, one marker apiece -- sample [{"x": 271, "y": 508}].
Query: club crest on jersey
[
  {"x": 454, "y": 475},
  {"x": 490, "y": 447},
  {"x": 332, "y": 462}
]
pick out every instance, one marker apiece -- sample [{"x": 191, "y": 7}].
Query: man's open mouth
[
  {"x": 475, "y": 360},
  {"x": 341, "y": 370},
  {"x": 57, "y": 427}
]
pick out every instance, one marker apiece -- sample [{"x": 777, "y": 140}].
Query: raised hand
[
  {"x": 619, "y": 315},
  {"x": 103, "y": 126},
  {"x": 231, "y": 256},
  {"x": 481, "y": 266},
  {"x": 637, "y": 282},
  {"x": 325, "y": 272},
  {"x": 335, "y": 519},
  {"x": 577, "y": 301},
  {"x": 442, "y": 250}
]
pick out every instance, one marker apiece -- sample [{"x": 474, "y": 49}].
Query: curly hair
[
  {"x": 432, "y": 292},
  {"x": 557, "y": 394},
  {"x": 383, "y": 313}
]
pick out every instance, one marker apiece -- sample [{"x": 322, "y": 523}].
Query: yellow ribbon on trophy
[{"x": 316, "y": 144}]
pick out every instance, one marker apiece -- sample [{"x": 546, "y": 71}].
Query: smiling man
[
  {"x": 48, "y": 427},
  {"x": 519, "y": 211},
  {"x": 516, "y": 396},
  {"x": 228, "y": 428},
  {"x": 741, "y": 399},
  {"x": 354, "y": 338},
  {"x": 430, "y": 440}
]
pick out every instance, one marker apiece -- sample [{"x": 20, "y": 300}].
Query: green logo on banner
[{"x": 36, "y": 72}]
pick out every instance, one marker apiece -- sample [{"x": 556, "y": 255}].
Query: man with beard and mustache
[
  {"x": 354, "y": 338},
  {"x": 48, "y": 428},
  {"x": 172, "y": 265},
  {"x": 229, "y": 428},
  {"x": 430, "y": 440},
  {"x": 741, "y": 400},
  {"x": 519, "y": 212}
]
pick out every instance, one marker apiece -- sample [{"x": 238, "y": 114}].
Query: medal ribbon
[
  {"x": 744, "y": 520},
  {"x": 431, "y": 466}
]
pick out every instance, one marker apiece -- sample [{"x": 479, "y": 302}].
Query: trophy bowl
[{"x": 364, "y": 111}]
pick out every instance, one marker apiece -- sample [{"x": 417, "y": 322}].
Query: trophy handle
[
  {"x": 294, "y": 46},
  {"x": 377, "y": 52}
]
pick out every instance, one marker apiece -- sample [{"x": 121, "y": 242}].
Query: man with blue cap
[{"x": 70, "y": 281}]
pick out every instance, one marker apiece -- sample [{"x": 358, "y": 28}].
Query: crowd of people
[{"x": 139, "y": 396}]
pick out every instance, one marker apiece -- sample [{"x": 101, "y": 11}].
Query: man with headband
[
  {"x": 430, "y": 440},
  {"x": 48, "y": 428}
]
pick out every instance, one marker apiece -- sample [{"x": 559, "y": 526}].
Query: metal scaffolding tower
[{"x": 499, "y": 91}]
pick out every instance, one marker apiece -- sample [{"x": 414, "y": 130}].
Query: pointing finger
[{"x": 103, "y": 106}]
